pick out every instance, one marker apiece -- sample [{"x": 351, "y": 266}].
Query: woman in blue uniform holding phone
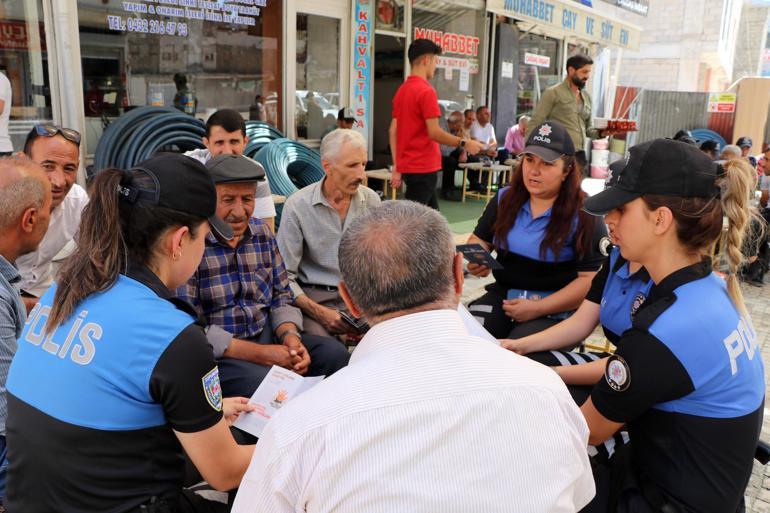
[
  {"x": 687, "y": 377},
  {"x": 548, "y": 248}
]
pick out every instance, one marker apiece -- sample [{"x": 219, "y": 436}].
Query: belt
[{"x": 327, "y": 288}]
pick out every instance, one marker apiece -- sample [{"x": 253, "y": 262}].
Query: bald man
[{"x": 25, "y": 209}]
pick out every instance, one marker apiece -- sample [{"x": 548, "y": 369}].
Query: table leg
[
  {"x": 465, "y": 178},
  {"x": 488, "y": 194},
  {"x": 393, "y": 191}
]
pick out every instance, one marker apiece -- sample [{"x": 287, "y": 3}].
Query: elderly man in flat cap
[{"x": 241, "y": 288}]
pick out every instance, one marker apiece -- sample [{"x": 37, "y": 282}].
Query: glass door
[{"x": 318, "y": 38}]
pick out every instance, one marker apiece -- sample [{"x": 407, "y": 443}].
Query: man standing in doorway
[
  {"x": 415, "y": 133},
  {"x": 570, "y": 104}
]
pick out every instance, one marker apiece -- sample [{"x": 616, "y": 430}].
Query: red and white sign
[
  {"x": 469, "y": 66},
  {"x": 14, "y": 36},
  {"x": 533, "y": 59},
  {"x": 450, "y": 42}
]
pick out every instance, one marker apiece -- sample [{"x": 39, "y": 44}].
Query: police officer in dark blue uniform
[
  {"x": 113, "y": 377},
  {"x": 687, "y": 378},
  {"x": 548, "y": 248}
]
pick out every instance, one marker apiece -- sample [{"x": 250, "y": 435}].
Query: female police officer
[
  {"x": 548, "y": 248},
  {"x": 687, "y": 378},
  {"x": 111, "y": 374}
]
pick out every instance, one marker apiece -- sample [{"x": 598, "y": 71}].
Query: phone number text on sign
[{"x": 168, "y": 28}]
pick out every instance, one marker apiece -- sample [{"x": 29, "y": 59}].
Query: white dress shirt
[
  {"x": 484, "y": 134},
  {"x": 36, "y": 267},
  {"x": 425, "y": 419}
]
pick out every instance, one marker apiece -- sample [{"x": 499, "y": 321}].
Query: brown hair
[
  {"x": 112, "y": 234},
  {"x": 568, "y": 204},
  {"x": 699, "y": 221}
]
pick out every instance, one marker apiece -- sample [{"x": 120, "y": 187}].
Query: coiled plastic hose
[
  {"x": 259, "y": 134},
  {"x": 704, "y": 134},
  {"x": 290, "y": 166},
  {"x": 138, "y": 134}
]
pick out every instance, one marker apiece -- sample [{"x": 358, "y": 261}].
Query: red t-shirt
[{"x": 415, "y": 101}]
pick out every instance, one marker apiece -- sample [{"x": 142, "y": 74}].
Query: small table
[
  {"x": 384, "y": 175},
  {"x": 481, "y": 168}
]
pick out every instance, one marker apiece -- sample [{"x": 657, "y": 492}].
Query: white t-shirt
[
  {"x": 264, "y": 207},
  {"x": 484, "y": 134},
  {"x": 6, "y": 96},
  {"x": 36, "y": 268}
]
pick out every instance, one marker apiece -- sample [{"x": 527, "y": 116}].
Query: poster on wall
[{"x": 362, "y": 67}]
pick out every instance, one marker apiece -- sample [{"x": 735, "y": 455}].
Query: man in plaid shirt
[{"x": 241, "y": 288}]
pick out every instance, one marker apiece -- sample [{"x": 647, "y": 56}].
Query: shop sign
[
  {"x": 573, "y": 19},
  {"x": 533, "y": 59},
  {"x": 450, "y": 42},
  {"x": 466, "y": 65},
  {"x": 14, "y": 36},
  {"x": 362, "y": 66},
  {"x": 721, "y": 102},
  {"x": 152, "y": 17}
]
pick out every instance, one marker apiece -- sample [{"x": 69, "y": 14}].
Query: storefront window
[
  {"x": 459, "y": 31},
  {"x": 176, "y": 54},
  {"x": 539, "y": 69},
  {"x": 317, "y": 97},
  {"x": 24, "y": 60}
]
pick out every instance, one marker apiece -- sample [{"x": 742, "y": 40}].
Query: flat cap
[{"x": 234, "y": 168}]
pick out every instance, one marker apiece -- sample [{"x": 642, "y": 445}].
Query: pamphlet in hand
[
  {"x": 475, "y": 254},
  {"x": 279, "y": 387}
]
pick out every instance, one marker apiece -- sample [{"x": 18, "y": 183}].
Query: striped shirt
[
  {"x": 238, "y": 289},
  {"x": 426, "y": 418},
  {"x": 12, "y": 318}
]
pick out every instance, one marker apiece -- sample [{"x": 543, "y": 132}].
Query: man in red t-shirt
[{"x": 415, "y": 133}]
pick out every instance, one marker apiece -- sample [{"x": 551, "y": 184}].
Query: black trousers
[
  {"x": 489, "y": 309},
  {"x": 421, "y": 187}
]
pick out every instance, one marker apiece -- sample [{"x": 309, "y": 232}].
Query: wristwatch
[{"x": 462, "y": 144}]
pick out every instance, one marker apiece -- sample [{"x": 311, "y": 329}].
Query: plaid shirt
[{"x": 237, "y": 289}]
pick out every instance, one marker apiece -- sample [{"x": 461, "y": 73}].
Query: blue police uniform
[
  {"x": 93, "y": 405},
  {"x": 688, "y": 381},
  {"x": 528, "y": 269}
]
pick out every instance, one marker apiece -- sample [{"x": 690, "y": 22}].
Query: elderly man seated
[
  {"x": 242, "y": 290},
  {"x": 312, "y": 224}
]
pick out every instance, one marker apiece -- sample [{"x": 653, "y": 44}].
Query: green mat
[{"x": 462, "y": 217}]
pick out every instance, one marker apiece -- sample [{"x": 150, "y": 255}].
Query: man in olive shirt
[{"x": 570, "y": 104}]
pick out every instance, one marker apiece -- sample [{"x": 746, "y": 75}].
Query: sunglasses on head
[{"x": 48, "y": 130}]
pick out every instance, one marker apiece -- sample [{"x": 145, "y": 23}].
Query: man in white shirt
[
  {"x": 6, "y": 95},
  {"x": 483, "y": 131},
  {"x": 426, "y": 418},
  {"x": 226, "y": 135},
  {"x": 57, "y": 150}
]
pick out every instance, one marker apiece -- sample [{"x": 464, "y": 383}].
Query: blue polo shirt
[
  {"x": 619, "y": 294},
  {"x": 526, "y": 267},
  {"x": 688, "y": 381}
]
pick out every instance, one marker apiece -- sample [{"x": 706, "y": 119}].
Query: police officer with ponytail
[
  {"x": 113, "y": 378},
  {"x": 687, "y": 378}
]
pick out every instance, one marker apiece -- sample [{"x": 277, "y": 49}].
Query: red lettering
[
  {"x": 361, "y": 64},
  {"x": 361, "y": 50},
  {"x": 360, "y": 112},
  {"x": 363, "y": 29},
  {"x": 360, "y": 98},
  {"x": 363, "y": 16},
  {"x": 362, "y": 39},
  {"x": 361, "y": 75},
  {"x": 419, "y": 33},
  {"x": 476, "y": 46}
]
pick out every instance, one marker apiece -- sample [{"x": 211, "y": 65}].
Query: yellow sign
[
  {"x": 569, "y": 17},
  {"x": 721, "y": 102}
]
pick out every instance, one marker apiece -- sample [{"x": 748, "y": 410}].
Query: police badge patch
[
  {"x": 638, "y": 301},
  {"x": 617, "y": 373},
  {"x": 213, "y": 389}
]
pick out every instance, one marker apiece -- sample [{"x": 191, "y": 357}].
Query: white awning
[{"x": 572, "y": 19}]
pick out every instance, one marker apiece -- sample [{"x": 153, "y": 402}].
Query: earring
[{"x": 176, "y": 256}]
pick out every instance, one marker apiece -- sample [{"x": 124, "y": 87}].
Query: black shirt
[{"x": 93, "y": 408}]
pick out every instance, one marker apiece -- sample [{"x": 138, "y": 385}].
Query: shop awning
[{"x": 572, "y": 19}]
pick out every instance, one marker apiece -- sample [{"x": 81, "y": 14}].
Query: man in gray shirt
[
  {"x": 25, "y": 208},
  {"x": 312, "y": 224}
]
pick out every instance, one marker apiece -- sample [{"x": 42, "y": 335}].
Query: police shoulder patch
[
  {"x": 617, "y": 374},
  {"x": 212, "y": 389}
]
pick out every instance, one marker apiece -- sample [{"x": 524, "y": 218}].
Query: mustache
[{"x": 236, "y": 220}]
